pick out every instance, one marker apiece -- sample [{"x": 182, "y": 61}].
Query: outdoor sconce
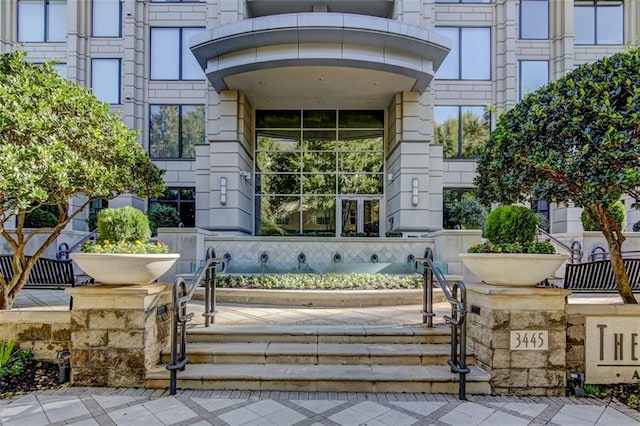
[
  {"x": 246, "y": 175},
  {"x": 389, "y": 177},
  {"x": 414, "y": 191},
  {"x": 223, "y": 190}
]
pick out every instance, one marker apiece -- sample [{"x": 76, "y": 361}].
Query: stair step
[
  {"x": 319, "y": 353},
  {"x": 322, "y": 378},
  {"x": 320, "y": 334}
]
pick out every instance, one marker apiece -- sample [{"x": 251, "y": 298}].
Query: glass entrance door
[{"x": 359, "y": 215}]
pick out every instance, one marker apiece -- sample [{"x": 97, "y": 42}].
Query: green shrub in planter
[
  {"x": 511, "y": 224},
  {"x": 123, "y": 224},
  {"x": 617, "y": 211},
  {"x": 162, "y": 216}
]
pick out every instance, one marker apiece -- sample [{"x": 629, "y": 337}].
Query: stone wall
[{"x": 42, "y": 332}]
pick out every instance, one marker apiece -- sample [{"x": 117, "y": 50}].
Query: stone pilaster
[
  {"x": 118, "y": 332},
  {"x": 495, "y": 312}
]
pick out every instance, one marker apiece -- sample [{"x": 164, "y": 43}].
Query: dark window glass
[
  {"x": 319, "y": 119},
  {"x": 534, "y": 19},
  {"x": 470, "y": 55},
  {"x": 278, "y": 119},
  {"x": 451, "y": 197},
  {"x": 462, "y": 130},
  {"x": 533, "y": 74},
  {"x": 174, "y": 130},
  {"x": 599, "y": 22},
  {"x": 183, "y": 199},
  {"x": 171, "y": 58},
  {"x": 361, "y": 119}
]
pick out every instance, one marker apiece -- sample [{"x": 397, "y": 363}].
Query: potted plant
[
  {"x": 122, "y": 253},
  {"x": 512, "y": 256}
]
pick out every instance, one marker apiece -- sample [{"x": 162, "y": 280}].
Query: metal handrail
[
  {"x": 456, "y": 295},
  {"x": 64, "y": 249},
  {"x": 182, "y": 294},
  {"x": 602, "y": 254},
  {"x": 574, "y": 250}
]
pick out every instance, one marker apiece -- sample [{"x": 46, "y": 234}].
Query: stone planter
[
  {"x": 512, "y": 269},
  {"x": 107, "y": 268}
]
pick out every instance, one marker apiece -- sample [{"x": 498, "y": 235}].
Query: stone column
[
  {"x": 501, "y": 324},
  {"x": 118, "y": 332}
]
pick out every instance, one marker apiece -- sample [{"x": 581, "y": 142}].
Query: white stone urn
[
  {"x": 512, "y": 269},
  {"x": 120, "y": 269}
]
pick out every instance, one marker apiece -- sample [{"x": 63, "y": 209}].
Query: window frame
[
  {"x": 459, "y": 155},
  {"x": 120, "y": 17},
  {"x": 45, "y": 35},
  {"x": 157, "y": 200},
  {"x": 520, "y": 80},
  {"x": 460, "y": 192},
  {"x": 180, "y": 143},
  {"x": 119, "y": 78},
  {"x": 180, "y": 54},
  {"x": 461, "y": 54},
  {"x": 520, "y": 20},
  {"x": 595, "y": 4}
]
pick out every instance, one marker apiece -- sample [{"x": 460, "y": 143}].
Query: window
[
  {"x": 598, "y": 22},
  {"x": 451, "y": 196},
  {"x": 470, "y": 55},
  {"x": 175, "y": 130},
  {"x": 171, "y": 58},
  {"x": 105, "y": 80},
  {"x": 183, "y": 199},
  {"x": 61, "y": 69},
  {"x": 107, "y": 18},
  {"x": 177, "y": 1},
  {"x": 533, "y": 74},
  {"x": 42, "y": 20},
  {"x": 463, "y": 1},
  {"x": 462, "y": 130},
  {"x": 534, "y": 19}
]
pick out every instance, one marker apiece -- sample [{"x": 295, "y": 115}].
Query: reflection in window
[
  {"x": 183, "y": 199},
  {"x": 534, "y": 19},
  {"x": 42, "y": 20},
  {"x": 533, "y": 74},
  {"x": 106, "y": 18},
  {"x": 470, "y": 55},
  {"x": 105, "y": 80},
  {"x": 305, "y": 159},
  {"x": 171, "y": 58},
  {"x": 599, "y": 22},
  {"x": 462, "y": 130},
  {"x": 450, "y": 197},
  {"x": 174, "y": 130}
]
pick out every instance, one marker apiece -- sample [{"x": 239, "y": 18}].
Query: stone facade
[
  {"x": 497, "y": 311},
  {"x": 45, "y": 333},
  {"x": 118, "y": 332}
]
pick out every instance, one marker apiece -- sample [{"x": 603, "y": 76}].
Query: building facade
[{"x": 316, "y": 117}]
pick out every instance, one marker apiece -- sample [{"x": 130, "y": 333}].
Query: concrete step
[
  {"x": 322, "y": 378},
  {"x": 319, "y": 353},
  {"x": 319, "y": 334}
]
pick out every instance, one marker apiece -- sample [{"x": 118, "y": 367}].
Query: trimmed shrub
[
  {"x": 636, "y": 226},
  {"x": 40, "y": 218},
  {"x": 511, "y": 224},
  {"x": 162, "y": 216},
  {"x": 469, "y": 214},
  {"x": 616, "y": 210},
  {"x": 123, "y": 224}
]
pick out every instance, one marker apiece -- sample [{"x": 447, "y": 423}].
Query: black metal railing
[
  {"x": 182, "y": 294},
  {"x": 64, "y": 249},
  {"x": 574, "y": 250},
  {"x": 456, "y": 294},
  {"x": 600, "y": 253}
]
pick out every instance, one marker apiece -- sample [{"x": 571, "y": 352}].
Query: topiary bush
[
  {"x": 162, "y": 216},
  {"x": 469, "y": 214},
  {"x": 617, "y": 212},
  {"x": 40, "y": 218},
  {"x": 123, "y": 224},
  {"x": 511, "y": 224}
]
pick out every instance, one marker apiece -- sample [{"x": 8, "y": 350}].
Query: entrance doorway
[{"x": 358, "y": 215}]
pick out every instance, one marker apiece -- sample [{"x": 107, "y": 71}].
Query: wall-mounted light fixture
[
  {"x": 389, "y": 177},
  {"x": 246, "y": 175},
  {"x": 414, "y": 191},
  {"x": 223, "y": 190}
]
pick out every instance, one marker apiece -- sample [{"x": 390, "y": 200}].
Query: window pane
[
  {"x": 610, "y": 24},
  {"x": 450, "y": 68},
  {"x": 190, "y": 67},
  {"x": 319, "y": 216},
  {"x": 31, "y": 20},
  {"x": 584, "y": 24},
  {"x": 356, "y": 140},
  {"x": 278, "y": 119},
  {"x": 533, "y": 74},
  {"x": 61, "y": 69},
  {"x": 105, "y": 80},
  {"x": 319, "y": 161},
  {"x": 283, "y": 183},
  {"x": 319, "y": 140},
  {"x": 475, "y": 1},
  {"x": 163, "y": 133},
  {"x": 57, "y": 20},
  {"x": 476, "y": 126},
  {"x": 319, "y": 119},
  {"x": 165, "y": 51},
  {"x": 446, "y": 129},
  {"x": 361, "y": 119},
  {"x": 360, "y": 161},
  {"x": 534, "y": 19},
  {"x": 279, "y": 215},
  {"x": 278, "y": 140},
  {"x": 106, "y": 18},
  {"x": 476, "y": 53},
  {"x": 319, "y": 183},
  {"x": 278, "y": 162},
  {"x": 193, "y": 123},
  {"x": 360, "y": 184}
]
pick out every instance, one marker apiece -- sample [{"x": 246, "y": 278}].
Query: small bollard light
[{"x": 64, "y": 366}]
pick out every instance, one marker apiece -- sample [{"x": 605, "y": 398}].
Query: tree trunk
[
  {"x": 619, "y": 271},
  {"x": 4, "y": 298}
]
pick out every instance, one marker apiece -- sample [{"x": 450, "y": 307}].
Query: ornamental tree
[
  {"x": 573, "y": 140},
  {"x": 58, "y": 143}
]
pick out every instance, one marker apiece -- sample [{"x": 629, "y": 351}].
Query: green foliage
[
  {"x": 321, "y": 282},
  {"x": 636, "y": 226},
  {"x": 537, "y": 247},
  {"x": 269, "y": 228},
  {"x": 40, "y": 218},
  {"x": 126, "y": 224},
  {"x": 469, "y": 214},
  {"x": 617, "y": 212},
  {"x": 162, "y": 216},
  {"x": 591, "y": 389},
  {"x": 12, "y": 358},
  {"x": 123, "y": 247},
  {"x": 511, "y": 224},
  {"x": 543, "y": 222}
]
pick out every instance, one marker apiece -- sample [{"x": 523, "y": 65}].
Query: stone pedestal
[
  {"x": 117, "y": 332},
  {"x": 501, "y": 324}
]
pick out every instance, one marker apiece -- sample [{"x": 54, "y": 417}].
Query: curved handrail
[
  {"x": 599, "y": 252},
  {"x": 456, "y": 295},
  {"x": 574, "y": 250},
  {"x": 64, "y": 249}
]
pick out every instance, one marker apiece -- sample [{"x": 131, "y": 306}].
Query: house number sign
[{"x": 529, "y": 340}]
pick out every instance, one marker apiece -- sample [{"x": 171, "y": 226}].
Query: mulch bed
[
  {"x": 37, "y": 375},
  {"x": 628, "y": 394}
]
